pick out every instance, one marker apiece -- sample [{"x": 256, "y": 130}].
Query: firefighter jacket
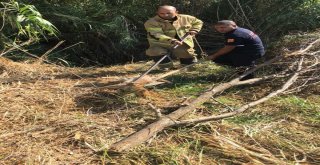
[{"x": 162, "y": 32}]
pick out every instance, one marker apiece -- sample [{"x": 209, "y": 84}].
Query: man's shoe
[
  {"x": 188, "y": 61},
  {"x": 195, "y": 60}
]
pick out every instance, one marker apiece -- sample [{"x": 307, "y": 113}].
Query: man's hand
[
  {"x": 176, "y": 42},
  {"x": 193, "y": 33},
  {"x": 225, "y": 50}
]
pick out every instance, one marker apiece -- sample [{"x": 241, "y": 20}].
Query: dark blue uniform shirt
[{"x": 247, "y": 43}]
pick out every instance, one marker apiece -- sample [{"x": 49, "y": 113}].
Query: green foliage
[
  {"x": 119, "y": 26},
  {"x": 108, "y": 29},
  {"x": 25, "y": 22},
  {"x": 112, "y": 30},
  {"x": 295, "y": 102},
  {"x": 31, "y": 23},
  {"x": 307, "y": 109},
  {"x": 269, "y": 18},
  {"x": 21, "y": 26},
  {"x": 280, "y": 17}
]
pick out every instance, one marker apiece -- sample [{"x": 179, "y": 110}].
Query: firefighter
[
  {"x": 165, "y": 31},
  {"x": 242, "y": 47}
]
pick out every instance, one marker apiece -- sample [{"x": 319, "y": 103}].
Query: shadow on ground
[{"x": 100, "y": 102}]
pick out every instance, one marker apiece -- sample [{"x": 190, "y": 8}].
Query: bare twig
[
  {"x": 90, "y": 146},
  {"x": 33, "y": 56},
  {"x": 230, "y": 108},
  {"x": 3, "y": 19},
  {"x": 68, "y": 47},
  {"x": 313, "y": 53},
  {"x": 177, "y": 70},
  {"x": 156, "y": 110},
  {"x": 268, "y": 77},
  {"x": 263, "y": 156},
  {"x": 14, "y": 46},
  {"x": 50, "y": 50},
  {"x": 244, "y": 15},
  {"x": 300, "y": 52}
]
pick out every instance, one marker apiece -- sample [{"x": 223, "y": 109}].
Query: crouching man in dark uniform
[{"x": 242, "y": 47}]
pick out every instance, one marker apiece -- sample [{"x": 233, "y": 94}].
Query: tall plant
[{"x": 21, "y": 22}]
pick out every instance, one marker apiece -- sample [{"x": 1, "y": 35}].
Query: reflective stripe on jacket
[{"x": 161, "y": 32}]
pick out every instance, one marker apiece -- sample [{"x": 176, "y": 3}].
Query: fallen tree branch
[
  {"x": 252, "y": 81},
  {"x": 268, "y": 77},
  {"x": 170, "y": 119},
  {"x": 293, "y": 78}
]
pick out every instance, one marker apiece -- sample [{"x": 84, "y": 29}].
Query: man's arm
[
  {"x": 226, "y": 49},
  {"x": 196, "y": 24}
]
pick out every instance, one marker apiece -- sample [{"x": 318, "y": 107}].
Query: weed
[
  {"x": 252, "y": 118},
  {"x": 303, "y": 108}
]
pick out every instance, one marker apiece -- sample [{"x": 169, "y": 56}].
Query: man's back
[{"x": 246, "y": 42}]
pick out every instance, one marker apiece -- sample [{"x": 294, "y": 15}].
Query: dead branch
[
  {"x": 293, "y": 78},
  {"x": 68, "y": 47},
  {"x": 263, "y": 156},
  {"x": 169, "y": 120},
  {"x": 33, "y": 56},
  {"x": 303, "y": 51},
  {"x": 156, "y": 110},
  {"x": 14, "y": 46},
  {"x": 42, "y": 57},
  {"x": 314, "y": 53},
  {"x": 151, "y": 82},
  {"x": 314, "y": 68},
  {"x": 256, "y": 80},
  {"x": 175, "y": 71}
]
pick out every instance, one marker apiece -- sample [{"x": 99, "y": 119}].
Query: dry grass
[
  {"x": 48, "y": 113},
  {"x": 57, "y": 115}
]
